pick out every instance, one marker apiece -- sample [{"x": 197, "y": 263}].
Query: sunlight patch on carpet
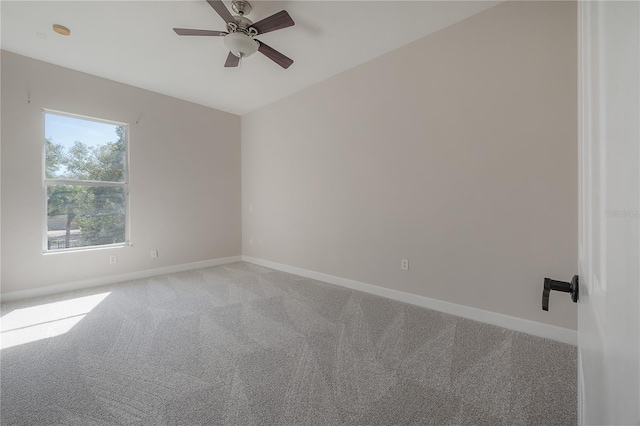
[{"x": 44, "y": 321}]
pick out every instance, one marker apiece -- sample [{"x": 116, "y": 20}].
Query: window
[{"x": 86, "y": 182}]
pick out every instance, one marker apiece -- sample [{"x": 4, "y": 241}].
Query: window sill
[{"x": 89, "y": 248}]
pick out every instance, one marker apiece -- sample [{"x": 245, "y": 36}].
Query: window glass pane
[
  {"x": 81, "y": 216},
  {"x": 80, "y": 149}
]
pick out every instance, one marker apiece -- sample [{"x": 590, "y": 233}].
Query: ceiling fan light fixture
[{"x": 240, "y": 44}]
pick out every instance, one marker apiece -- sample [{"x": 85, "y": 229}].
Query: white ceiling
[{"x": 132, "y": 42}]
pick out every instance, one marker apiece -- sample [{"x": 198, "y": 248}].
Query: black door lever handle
[{"x": 549, "y": 284}]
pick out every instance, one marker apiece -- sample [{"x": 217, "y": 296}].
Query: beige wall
[
  {"x": 457, "y": 152},
  {"x": 185, "y": 176}
]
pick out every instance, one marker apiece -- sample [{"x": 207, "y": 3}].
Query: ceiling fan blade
[
  {"x": 274, "y": 55},
  {"x": 222, "y": 10},
  {"x": 274, "y": 22},
  {"x": 232, "y": 61},
  {"x": 191, "y": 32}
]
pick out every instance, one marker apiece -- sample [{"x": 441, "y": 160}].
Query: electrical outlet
[
  {"x": 113, "y": 259},
  {"x": 405, "y": 264},
  {"x": 250, "y": 241},
  {"x": 154, "y": 254}
]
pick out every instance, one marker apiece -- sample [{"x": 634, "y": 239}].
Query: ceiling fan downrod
[{"x": 241, "y": 7}]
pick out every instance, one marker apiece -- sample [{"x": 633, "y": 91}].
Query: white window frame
[{"x": 47, "y": 182}]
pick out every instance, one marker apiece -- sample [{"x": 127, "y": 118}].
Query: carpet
[{"x": 241, "y": 344}]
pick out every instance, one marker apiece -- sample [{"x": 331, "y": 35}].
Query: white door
[{"x": 609, "y": 236}]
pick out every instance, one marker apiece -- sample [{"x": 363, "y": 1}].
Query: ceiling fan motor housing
[{"x": 242, "y": 25}]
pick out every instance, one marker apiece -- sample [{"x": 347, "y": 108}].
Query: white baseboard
[
  {"x": 113, "y": 279},
  {"x": 513, "y": 323},
  {"x": 535, "y": 328}
]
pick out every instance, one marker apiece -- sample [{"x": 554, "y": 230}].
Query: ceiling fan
[{"x": 239, "y": 37}]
